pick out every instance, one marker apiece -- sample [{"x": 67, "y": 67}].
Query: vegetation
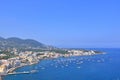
[
  {"x": 59, "y": 51},
  {"x": 8, "y": 55},
  {"x": 20, "y": 43}
]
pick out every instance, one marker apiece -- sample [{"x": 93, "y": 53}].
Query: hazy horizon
[
  {"x": 58, "y": 46},
  {"x": 67, "y": 24}
]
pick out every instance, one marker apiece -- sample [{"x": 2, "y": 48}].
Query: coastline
[{"x": 11, "y": 70}]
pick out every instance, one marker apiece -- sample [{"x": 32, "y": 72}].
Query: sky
[{"x": 63, "y": 23}]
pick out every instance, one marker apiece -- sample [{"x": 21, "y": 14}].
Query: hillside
[{"x": 14, "y": 42}]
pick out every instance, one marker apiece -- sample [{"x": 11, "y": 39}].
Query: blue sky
[{"x": 63, "y": 23}]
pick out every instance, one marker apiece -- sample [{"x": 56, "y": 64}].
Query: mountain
[{"x": 14, "y": 42}]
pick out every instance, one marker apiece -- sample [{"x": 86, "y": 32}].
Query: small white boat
[
  {"x": 78, "y": 67},
  {"x": 42, "y": 68}
]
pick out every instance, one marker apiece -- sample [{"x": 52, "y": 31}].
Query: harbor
[{"x": 75, "y": 68}]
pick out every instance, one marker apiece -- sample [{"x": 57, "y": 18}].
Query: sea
[{"x": 97, "y": 67}]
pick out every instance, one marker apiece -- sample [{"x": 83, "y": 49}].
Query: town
[{"x": 16, "y": 58}]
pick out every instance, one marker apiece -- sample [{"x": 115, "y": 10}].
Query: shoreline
[{"x": 11, "y": 70}]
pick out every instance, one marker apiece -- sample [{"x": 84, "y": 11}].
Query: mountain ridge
[{"x": 14, "y": 42}]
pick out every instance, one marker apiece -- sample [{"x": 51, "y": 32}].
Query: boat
[
  {"x": 33, "y": 71},
  {"x": 79, "y": 67}
]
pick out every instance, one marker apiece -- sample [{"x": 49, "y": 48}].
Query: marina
[{"x": 73, "y": 67}]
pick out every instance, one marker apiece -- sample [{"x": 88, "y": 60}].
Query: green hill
[{"x": 20, "y": 43}]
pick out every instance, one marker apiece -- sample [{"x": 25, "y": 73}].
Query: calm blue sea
[{"x": 97, "y": 67}]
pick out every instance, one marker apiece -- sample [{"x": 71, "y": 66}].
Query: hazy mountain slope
[{"x": 20, "y": 43}]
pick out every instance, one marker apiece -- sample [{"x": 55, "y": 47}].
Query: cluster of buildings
[
  {"x": 22, "y": 59},
  {"x": 30, "y": 57}
]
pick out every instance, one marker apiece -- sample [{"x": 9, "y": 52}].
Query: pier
[
  {"x": 25, "y": 72},
  {"x": 19, "y": 73}
]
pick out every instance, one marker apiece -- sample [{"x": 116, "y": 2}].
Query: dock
[
  {"x": 19, "y": 73},
  {"x": 25, "y": 72}
]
